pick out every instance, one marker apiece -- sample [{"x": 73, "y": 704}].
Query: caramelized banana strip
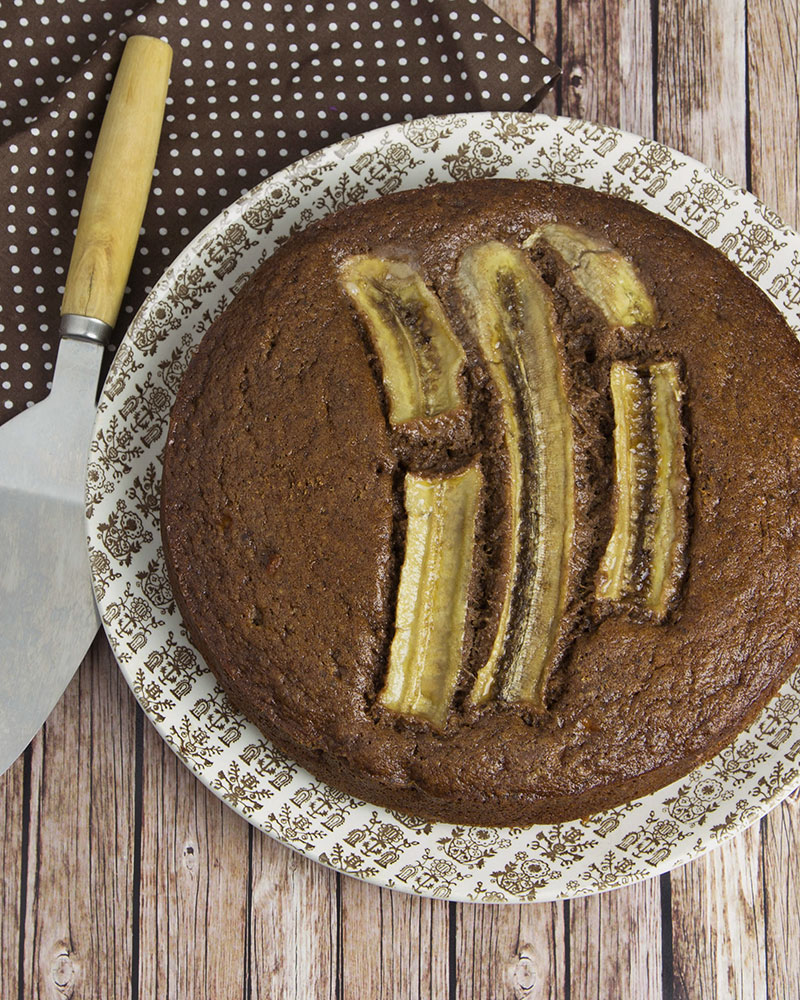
[
  {"x": 601, "y": 273},
  {"x": 668, "y": 525},
  {"x": 513, "y": 317},
  {"x": 632, "y": 463},
  {"x": 420, "y": 357},
  {"x": 651, "y": 489},
  {"x": 425, "y": 655}
]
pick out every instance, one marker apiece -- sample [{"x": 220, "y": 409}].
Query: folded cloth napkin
[{"x": 255, "y": 85}]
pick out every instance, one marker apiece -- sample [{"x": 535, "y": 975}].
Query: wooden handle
[{"x": 119, "y": 182}]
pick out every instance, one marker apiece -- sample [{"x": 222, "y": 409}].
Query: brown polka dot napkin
[{"x": 255, "y": 86}]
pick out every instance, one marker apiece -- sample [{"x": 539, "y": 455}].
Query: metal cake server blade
[{"x": 48, "y": 616}]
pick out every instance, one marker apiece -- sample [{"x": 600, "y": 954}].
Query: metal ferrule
[{"x": 75, "y": 327}]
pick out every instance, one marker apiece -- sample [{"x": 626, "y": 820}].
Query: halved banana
[
  {"x": 633, "y": 460},
  {"x": 601, "y": 273},
  {"x": 425, "y": 655},
  {"x": 511, "y": 313},
  {"x": 420, "y": 357},
  {"x": 667, "y": 528},
  {"x": 645, "y": 557}
]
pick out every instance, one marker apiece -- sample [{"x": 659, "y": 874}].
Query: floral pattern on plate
[{"x": 170, "y": 679}]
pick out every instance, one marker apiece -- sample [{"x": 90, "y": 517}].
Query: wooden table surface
[{"x": 123, "y": 877}]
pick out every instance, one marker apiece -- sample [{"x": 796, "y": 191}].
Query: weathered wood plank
[
  {"x": 636, "y": 61},
  {"x": 701, "y": 81},
  {"x": 773, "y": 28},
  {"x": 511, "y": 952},
  {"x": 590, "y": 60},
  {"x": 503, "y": 946},
  {"x": 394, "y": 946},
  {"x": 592, "y": 53},
  {"x": 78, "y": 920},
  {"x": 608, "y": 63},
  {"x": 193, "y": 886},
  {"x": 545, "y": 36},
  {"x": 718, "y": 924},
  {"x": 11, "y": 856},
  {"x": 780, "y": 838},
  {"x": 508, "y": 951},
  {"x": 615, "y": 943},
  {"x": 294, "y": 924}
]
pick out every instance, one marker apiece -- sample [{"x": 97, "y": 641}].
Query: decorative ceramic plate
[{"x": 170, "y": 679}]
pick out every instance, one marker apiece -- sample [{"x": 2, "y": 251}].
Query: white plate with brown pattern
[{"x": 168, "y": 676}]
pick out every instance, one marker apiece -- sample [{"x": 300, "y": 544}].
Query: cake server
[{"x": 47, "y": 611}]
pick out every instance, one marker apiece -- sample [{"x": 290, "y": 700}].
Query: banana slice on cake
[
  {"x": 511, "y": 313},
  {"x": 645, "y": 557},
  {"x": 633, "y": 473},
  {"x": 667, "y": 527},
  {"x": 601, "y": 272},
  {"x": 421, "y": 359},
  {"x": 644, "y": 560},
  {"x": 425, "y": 655},
  {"x": 512, "y": 316}
]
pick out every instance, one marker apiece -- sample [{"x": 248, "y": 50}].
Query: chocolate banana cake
[{"x": 482, "y": 501}]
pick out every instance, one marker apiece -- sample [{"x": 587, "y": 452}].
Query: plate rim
[{"x": 339, "y": 152}]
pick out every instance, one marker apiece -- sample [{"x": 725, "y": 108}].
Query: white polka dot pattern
[{"x": 255, "y": 85}]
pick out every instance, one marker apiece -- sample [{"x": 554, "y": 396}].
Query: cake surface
[{"x": 285, "y": 528}]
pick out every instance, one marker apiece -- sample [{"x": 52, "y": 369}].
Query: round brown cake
[{"x": 296, "y": 496}]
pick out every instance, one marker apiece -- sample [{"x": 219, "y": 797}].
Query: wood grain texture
[
  {"x": 701, "y": 82},
  {"x": 608, "y": 63},
  {"x": 590, "y": 60},
  {"x": 119, "y": 182},
  {"x": 393, "y": 946},
  {"x": 81, "y": 840},
  {"x": 773, "y": 47},
  {"x": 193, "y": 886},
  {"x": 11, "y": 862},
  {"x": 615, "y": 943},
  {"x": 636, "y": 65},
  {"x": 718, "y": 924},
  {"x": 780, "y": 840},
  {"x": 293, "y": 924},
  {"x": 511, "y": 952},
  {"x": 545, "y": 33}
]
